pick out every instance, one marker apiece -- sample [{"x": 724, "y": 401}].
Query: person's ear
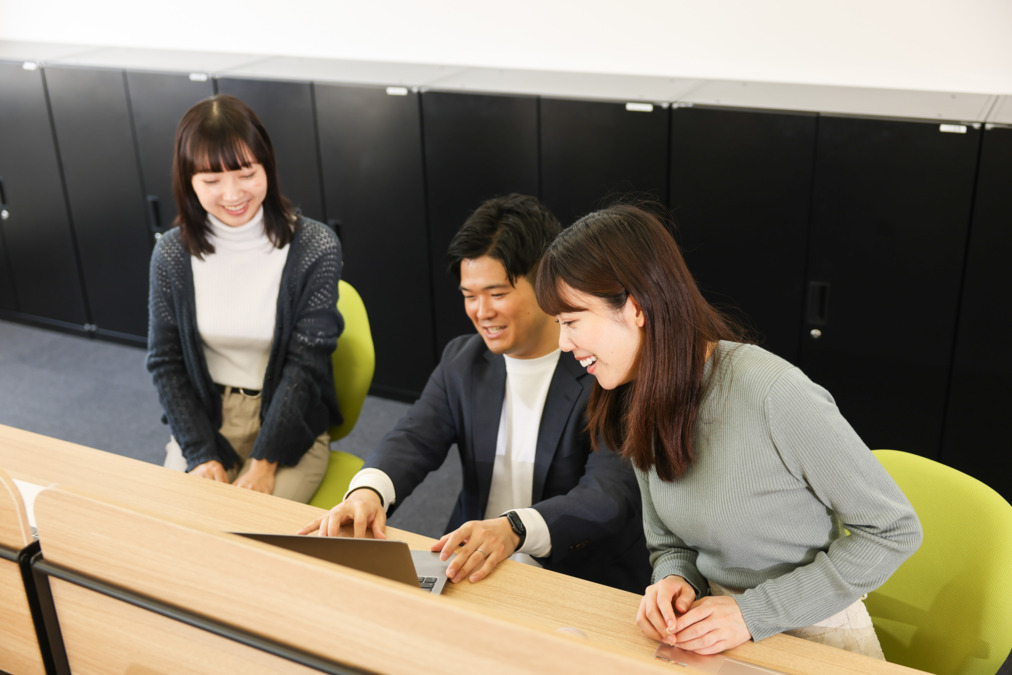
[{"x": 635, "y": 312}]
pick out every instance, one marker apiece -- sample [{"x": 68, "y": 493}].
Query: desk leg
[{"x": 47, "y": 626}]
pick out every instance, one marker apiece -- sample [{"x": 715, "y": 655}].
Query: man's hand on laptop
[
  {"x": 362, "y": 508},
  {"x": 477, "y": 546}
]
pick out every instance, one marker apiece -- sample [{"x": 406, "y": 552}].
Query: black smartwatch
[{"x": 518, "y": 526}]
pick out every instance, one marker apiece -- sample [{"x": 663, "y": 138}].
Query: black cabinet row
[{"x": 866, "y": 249}]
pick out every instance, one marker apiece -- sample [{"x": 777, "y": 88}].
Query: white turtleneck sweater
[{"x": 236, "y": 296}]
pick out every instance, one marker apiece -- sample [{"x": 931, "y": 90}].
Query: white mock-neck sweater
[{"x": 236, "y": 295}]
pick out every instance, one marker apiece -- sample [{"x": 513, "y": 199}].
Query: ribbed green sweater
[{"x": 778, "y": 474}]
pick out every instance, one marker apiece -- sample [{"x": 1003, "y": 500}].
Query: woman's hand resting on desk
[
  {"x": 213, "y": 469},
  {"x": 259, "y": 477},
  {"x": 477, "y": 546},
  {"x": 362, "y": 508},
  {"x": 670, "y": 613}
]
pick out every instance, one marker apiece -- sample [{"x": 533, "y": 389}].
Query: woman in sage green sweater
[{"x": 750, "y": 477}]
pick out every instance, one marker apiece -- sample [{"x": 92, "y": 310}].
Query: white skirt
[{"x": 850, "y": 629}]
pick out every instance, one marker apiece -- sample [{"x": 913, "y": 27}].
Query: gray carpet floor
[{"x": 99, "y": 394}]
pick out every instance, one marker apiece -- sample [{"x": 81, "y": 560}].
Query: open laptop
[
  {"x": 383, "y": 557},
  {"x": 713, "y": 663}
]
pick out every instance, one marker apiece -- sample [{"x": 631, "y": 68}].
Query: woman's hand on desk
[
  {"x": 259, "y": 477},
  {"x": 661, "y": 606},
  {"x": 213, "y": 469},
  {"x": 713, "y": 624},
  {"x": 670, "y": 613},
  {"x": 477, "y": 546},
  {"x": 362, "y": 508}
]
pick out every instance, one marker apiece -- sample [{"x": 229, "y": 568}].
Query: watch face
[
  {"x": 516, "y": 523},
  {"x": 518, "y": 527}
]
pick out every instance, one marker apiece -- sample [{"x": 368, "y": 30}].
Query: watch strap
[{"x": 518, "y": 527}]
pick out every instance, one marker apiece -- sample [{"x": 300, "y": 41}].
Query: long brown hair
[
  {"x": 626, "y": 251},
  {"x": 221, "y": 133}
]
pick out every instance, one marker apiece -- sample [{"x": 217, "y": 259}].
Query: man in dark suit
[{"x": 514, "y": 405}]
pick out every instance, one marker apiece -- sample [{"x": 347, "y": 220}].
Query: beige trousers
[
  {"x": 240, "y": 426},
  {"x": 850, "y": 629}
]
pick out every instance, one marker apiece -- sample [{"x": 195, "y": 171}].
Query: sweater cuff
[
  {"x": 677, "y": 568},
  {"x": 750, "y": 611},
  {"x": 199, "y": 456}
]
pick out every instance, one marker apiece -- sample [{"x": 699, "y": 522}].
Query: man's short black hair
[{"x": 515, "y": 230}]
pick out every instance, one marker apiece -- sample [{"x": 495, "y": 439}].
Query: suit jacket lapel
[
  {"x": 489, "y": 391},
  {"x": 563, "y": 393}
]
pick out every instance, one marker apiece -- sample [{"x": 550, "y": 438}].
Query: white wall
[{"x": 961, "y": 46}]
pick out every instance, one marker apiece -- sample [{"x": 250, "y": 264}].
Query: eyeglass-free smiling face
[
  {"x": 606, "y": 341},
  {"x": 233, "y": 197},
  {"x": 506, "y": 316}
]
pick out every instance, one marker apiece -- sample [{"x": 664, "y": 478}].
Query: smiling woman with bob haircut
[
  {"x": 242, "y": 313},
  {"x": 749, "y": 475}
]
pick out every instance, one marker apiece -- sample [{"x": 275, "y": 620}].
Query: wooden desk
[
  {"x": 19, "y": 648},
  {"x": 506, "y": 622}
]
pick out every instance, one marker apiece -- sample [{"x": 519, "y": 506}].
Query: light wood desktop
[
  {"x": 163, "y": 534},
  {"x": 19, "y": 648}
]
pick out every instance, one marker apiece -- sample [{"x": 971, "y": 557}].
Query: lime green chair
[
  {"x": 946, "y": 610},
  {"x": 354, "y": 362}
]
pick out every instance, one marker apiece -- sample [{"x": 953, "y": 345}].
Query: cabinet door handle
[
  {"x": 154, "y": 214},
  {"x": 818, "y": 303},
  {"x": 4, "y": 213}
]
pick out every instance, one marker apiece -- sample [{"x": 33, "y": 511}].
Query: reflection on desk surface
[
  {"x": 713, "y": 663},
  {"x": 28, "y": 492}
]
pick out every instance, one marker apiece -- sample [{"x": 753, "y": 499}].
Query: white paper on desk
[{"x": 28, "y": 493}]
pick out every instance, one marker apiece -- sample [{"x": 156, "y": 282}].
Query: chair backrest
[
  {"x": 354, "y": 360},
  {"x": 946, "y": 609}
]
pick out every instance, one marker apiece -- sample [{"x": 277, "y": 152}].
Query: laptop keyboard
[{"x": 427, "y": 583}]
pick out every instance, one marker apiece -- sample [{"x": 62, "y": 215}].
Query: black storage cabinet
[
  {"x": 371, "y": 152},
  {"x": 976, "y": 436},
  {"x": 741, "y": 185},
  {"x": 42, "y": 280},
  {"x": 91, "y": 118},
  {"x": 890, "y": 216},
  {"x": 597, "y": 152},
  {"x": 8, "y": 299},
  {"x": 158, "y": 101},
  {"x": 477, "y": 146}
]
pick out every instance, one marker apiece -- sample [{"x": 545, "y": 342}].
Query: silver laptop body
[{"x": 383, "y": 557}]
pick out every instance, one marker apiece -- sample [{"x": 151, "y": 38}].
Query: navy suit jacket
[{"x": 589, "y": 500}]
